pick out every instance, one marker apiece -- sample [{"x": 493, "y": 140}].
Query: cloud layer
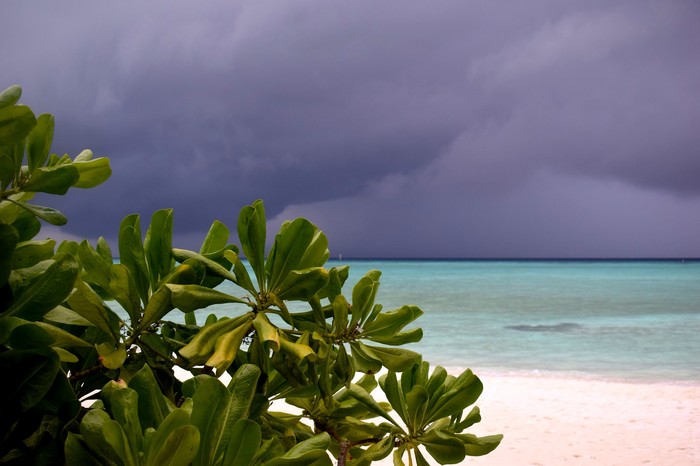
[{"x": 469, "y": 128}]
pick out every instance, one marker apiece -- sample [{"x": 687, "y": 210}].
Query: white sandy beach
[{"x": 551, "y": 421}]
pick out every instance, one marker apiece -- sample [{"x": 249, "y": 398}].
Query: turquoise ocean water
[{"x": 620, "y": 320}]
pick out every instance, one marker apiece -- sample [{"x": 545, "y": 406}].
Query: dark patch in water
[{"x": 562, "y": 327}]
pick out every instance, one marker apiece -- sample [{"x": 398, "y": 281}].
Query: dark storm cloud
[
  {"x": 205, "y": 107},
  {"x": 548, "y": 216}
]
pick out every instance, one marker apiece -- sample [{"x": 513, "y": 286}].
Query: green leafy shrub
[
  {"x": 37, "y": 400},
  {"x": 66, "y": 345}
]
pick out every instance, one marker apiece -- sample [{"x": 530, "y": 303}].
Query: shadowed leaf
[{"x": 46, "y": 291}]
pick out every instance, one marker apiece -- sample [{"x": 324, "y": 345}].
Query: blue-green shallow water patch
[{"x": 612, "y": 319}]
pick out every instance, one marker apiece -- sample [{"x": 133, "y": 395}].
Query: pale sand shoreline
[{"x": 549, "y": 420}]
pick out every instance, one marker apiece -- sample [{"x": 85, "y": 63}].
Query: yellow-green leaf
[
  {"x": 267, "y": 332},
  {"x": 92, "y": 173},
  {"x": 111, "y": 356}
]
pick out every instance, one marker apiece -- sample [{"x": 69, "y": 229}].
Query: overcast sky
[{"x": 402, "y": 128}]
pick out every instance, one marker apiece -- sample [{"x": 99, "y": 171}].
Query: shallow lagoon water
[{"x": 621, "y": 320}]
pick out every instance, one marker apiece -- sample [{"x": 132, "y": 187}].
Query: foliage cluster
[{"x": 62, "y": 345}]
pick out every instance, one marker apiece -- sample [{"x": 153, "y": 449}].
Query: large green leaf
[
  {"x": 266, "y": 332},
  {"x": 63, "y": 315},
  {"x": 179, "y": 448},
  {"x": 158, "y": 306},
  {"x": 394, "y": 395},
  {"x": 362, "y": 361},
  {"x": 361, "y": 395},
  {"x": 478, "y": 446},
  {"x": 25, "y": 335},
  {"x": 9, "y": 168},
  {"x": 310, "y": 452},
  {"x": 416, "y": 407},
  {"x": 389, "y": 323},
  {"x": 153, "y": 407},
  {"x": 289, "y": 248},
  {"x": 124, "y": 291},
  {"x": 227, "y": 346},
  {"x": 212, "y": 267},
  {"x": 88, "y": 304},
  {"x": 401, "y": 338},
  {"x": 52, "y": 216},
  {"x": 27, "y": 225},
  {"x": 341, "y": 311},
  {"x": 248, "y": 437},
  {"x": 269, "y": 449},
  {"x": 62, "y": 338},
  {"x": 199, "y": 349},
  {"x": 189, "y": 298},
  {"x": 210, "y": 414},
  {"x": 394, "y": 359},
  {"x": 242, "y": 388},
  {"x": 336, "y": 278},
  {"x": 65, "y": 355},
  {"x": 61, "y": 400},
  {"x": 92, "y": 173},
  {"x": 125, "y": 410},
  {"x": 29, "y": 253},
  {"x": 103, "y": 250},
  {"x": 91, "y": 427},
  {"x": 469, "y": 420},
  {"x": 10, "y": 96},
  {"x": 55, "y": 160},
  {"x": 192, "y": 384},
  {"x": 111, "y": 356},
  {"x": 97, "y": 267},
  {"x": 342, "y": 367},
  {"x": 251, "y": 234},
  {"x": 317, "y": 253},
  {"x": 39, "y": 142},
  {"x": 78, "y": 452},
  {"x": 84, "y": 156},
  {"x": 10, "y": 210},
  {"x": 324, "y": 380},
  {"x": 68, "y": 247},
  {"x": 46, "y": 291},
  {"x": 154, "y": 439},
  {"x": 398, "y": 453},
  {"x": 444, "y": 447},
  {"x": 464, "y": 391},
  {"x": 106, "y": 437},
  {"x": 376, "y": 451},
  {"x": 385, "y": 327},
  {"x": 363, "y": 294},
  {"x": 214, "y": 248},
  {"x": 298, "y": 351},
  {"x": 216, "y": 239},
  {"x": 52, "y": 180},
  {"x": 302, "y": 285},
  {"x": 15, "y": 123},
  {"x": 33, "y": 372},
  {"x": 132, "y": 255},
  {"x": 158, "y": 245},
  {"x": 436, "y": 382},
  {"x": 242, "y": 278},
  {"x": 8, "y": 241}
]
